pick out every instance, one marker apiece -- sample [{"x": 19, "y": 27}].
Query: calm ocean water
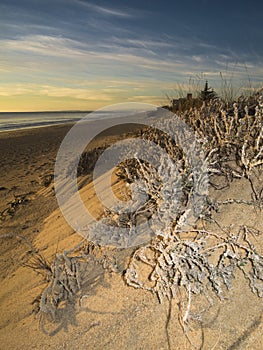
[
  {"x": 15, "y": 121},
  {"x": 23, "y": 120}
]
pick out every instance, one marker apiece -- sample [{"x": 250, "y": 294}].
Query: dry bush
[
  {"x": 231, "y": 130},
  {"x": 182, "y": 261},
  {"x": 68, "y": 276}
]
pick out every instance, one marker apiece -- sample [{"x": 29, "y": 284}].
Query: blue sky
[{"x": 78, "y": 54}]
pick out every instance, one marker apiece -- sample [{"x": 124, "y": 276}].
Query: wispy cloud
[
  {"x": 142, "y": 43},
  {"x": 155, "y": 98},
  {"x": 54, "y": 91},
  {"x": 83, "y": 94},
  {"x": 108, "y": 11},
  {"x": 15, "y": 89},
  {"x": 44, "y": 44}
]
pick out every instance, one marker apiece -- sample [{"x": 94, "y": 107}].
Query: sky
[{"x": 84, "y": 55}]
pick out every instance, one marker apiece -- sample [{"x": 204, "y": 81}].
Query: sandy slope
[{"x": 109, "y": 314}]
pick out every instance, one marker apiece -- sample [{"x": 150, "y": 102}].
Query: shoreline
[
  {"x": 37, "y": 126},
  {"x": 88, "y": 116},
  {"x": 24, "y": 120},
  {"x": 26, "y": 130}
]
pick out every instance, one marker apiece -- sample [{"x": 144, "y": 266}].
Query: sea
[{"x": 24, "y": 120}]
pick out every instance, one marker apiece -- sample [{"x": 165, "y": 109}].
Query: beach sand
[{"x": 111, "y": 314}]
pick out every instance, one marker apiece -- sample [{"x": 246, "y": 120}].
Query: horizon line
[{"x": 55, "y": 111}]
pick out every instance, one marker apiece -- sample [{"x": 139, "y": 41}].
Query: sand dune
[{"x": 107, "y": 314}]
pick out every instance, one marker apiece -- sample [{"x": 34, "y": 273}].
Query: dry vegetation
[{"x": 184, "y": 259}]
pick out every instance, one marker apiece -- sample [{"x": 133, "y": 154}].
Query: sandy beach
[
  {"x": 108, "y": 314},
  {"x": 131, "y": 175}
]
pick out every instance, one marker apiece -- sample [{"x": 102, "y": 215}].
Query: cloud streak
[
  {"x": 54, "y": 91},
  {"x": 45, "y": 45},
  {"x": 102, "y": 10}
]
